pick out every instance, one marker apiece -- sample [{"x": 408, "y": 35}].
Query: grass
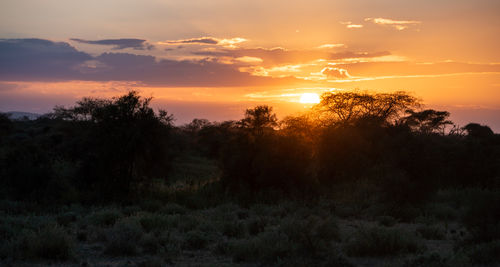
[
  {"x": 49, "y": 243},
  {"x": 288, "y": 233},
  {"x": 431, "y": 232},
  {"x": 381, "y": 242},
  {"x": 190, "y": 228},
  {"x": 123, "y": 238}
]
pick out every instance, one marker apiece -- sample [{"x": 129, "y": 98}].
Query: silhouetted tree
[
  {"x": 348, "y": 107},
  {"x": 5, "y": 125},
  {"x": 427, "y": 121},
  {"x": 477, "y": 130},
  {"x": 127, "y": 142},
  {"x": 259, "y": 119}
]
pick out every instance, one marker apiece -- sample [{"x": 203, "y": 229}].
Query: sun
[{"x": 309, "y": 98}]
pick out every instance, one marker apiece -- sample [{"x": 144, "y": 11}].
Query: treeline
[{"x": 114, "y": 149}]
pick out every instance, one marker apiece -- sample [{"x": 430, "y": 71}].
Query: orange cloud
[
  {"x": 231, "y": 42},
  {"x": 350, "y": 25},
  {"x": 335, "y": 73},
  {"x": 328, "y": 46},
  {"x": 397, "y": 24}
]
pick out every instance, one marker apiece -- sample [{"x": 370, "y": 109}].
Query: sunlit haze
[{"x": 213, "y": 59}]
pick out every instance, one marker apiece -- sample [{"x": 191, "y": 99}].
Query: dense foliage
[
  {"x": 99, "y": 149},
  {"x": 114, "y": 149}
]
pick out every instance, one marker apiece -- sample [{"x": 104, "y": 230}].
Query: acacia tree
[
  {"x": 427, "y": 121},
  {"x": 348, "y": 107}
]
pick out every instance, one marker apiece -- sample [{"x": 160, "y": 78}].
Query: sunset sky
[{"x": 212, "y": 59}]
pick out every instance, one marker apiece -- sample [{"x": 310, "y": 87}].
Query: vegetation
[{"x": 360, "y": 179}]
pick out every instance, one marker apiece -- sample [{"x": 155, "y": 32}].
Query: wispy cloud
[
  {"x": 247, "y": 59},
  {"x": 397, "y": 24},
  {"x": 118, "y": 44},
  {"x": 350, "y": 25},
  {"x": 280, "y": 56},
  {"x": 231, "y": 42},
  {"x": 329, "y": 46}
]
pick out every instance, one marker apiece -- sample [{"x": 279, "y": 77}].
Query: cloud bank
[
  {"x": 118, "y": 44},
  {"x": 44, "y": 60}
]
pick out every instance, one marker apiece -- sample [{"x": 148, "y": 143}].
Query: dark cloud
[
  {"x": 128, "y": 67},
  {"x": 29, "y": 59},
  {"x": 118, "y": 44},
  {"x": 6, "y": 87},
  {"x": 42, "y": 60}
]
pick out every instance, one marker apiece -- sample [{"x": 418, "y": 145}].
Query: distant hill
[{"x": 17, "y": 115}]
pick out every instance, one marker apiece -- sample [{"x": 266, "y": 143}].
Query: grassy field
[
  {"x": 190, "y": 227},
  {"x": 155, "y": 233}
]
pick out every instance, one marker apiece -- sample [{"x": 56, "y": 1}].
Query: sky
[{"x": 213, "y": 59}]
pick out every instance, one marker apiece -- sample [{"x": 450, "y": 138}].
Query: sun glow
[{"x": 309, "y": 98}]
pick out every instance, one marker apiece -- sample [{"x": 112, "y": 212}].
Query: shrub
[
  {"x": 387, "y": 221},
  {"x": 150, "y": 243},
  {"x": 186, "y": 223},
  {"x": 256, "y": 225},
  {"x": 104, "y": 217},
  {"x": 431, "y": 232},
  {"x": 151, "y": 205},
  {"x": 482, "y": 217},
  {"x": 432, "y": 260},
  {"x": 50, "y": 242},
  {"x": 222, "y": 248},
  {"x": 486, "y": 253},
  {"x": 269, "y": 246},
  {"x": 311, "y": 235},
  {"x": 151, "y": 262},
  {"x": 295, "y": 237},
  {"x": 173, "y": 208},
  {"x": 195, "y": 240},
  {"x": 379, "y": 241},
  {"x": 123, "y": 238},
  {"x": 235, "y": 229},
  {"x": 66, "y": 218},
  {"x": 153, "y": 222},
  {"x": 443, "y": 211}
]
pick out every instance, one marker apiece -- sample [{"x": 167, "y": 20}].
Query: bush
[
  {"x": 256, "y": 225},
  {"x": 432, "y": 260},
  {"x": 486, "y": 253},
  {"x": 431, "y": 232},
  {"x": 151, "y": 262},
  {"x": 482, "y": 217},
  {"x": 50, "y": 242},
  {"x": 295, "y": 237},
  {"x": 153, "y": 222},
  {"x": 195, "y": 240},
  {"x": 312, "y": 235},
  {"x": 235, "y": 229},
  {"x": 387, "y": 221},
  {"x": 173, "y": 208},
  {"x": 66, "y": 218},
  {"x": 269, "y": 246},
  {"x": 104, "y": 217},
  {"x": 150, "y": 243},
  {"x": 123, "y": 238},
  {"x": 379, "y": 241}
]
